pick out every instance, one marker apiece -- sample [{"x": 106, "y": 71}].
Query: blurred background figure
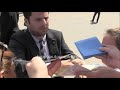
[
  {"x": 93, "y": 19},
  {"x": 7, "y": 67},
  {"x": 9, "y": 25}
]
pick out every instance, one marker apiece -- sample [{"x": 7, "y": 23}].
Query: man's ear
[{"x": 26, "y": 22}]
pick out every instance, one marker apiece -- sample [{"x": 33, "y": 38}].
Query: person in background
[
  {"x": 94, "y": 16},
  {"x": 9, "y": 25},
  {"x": 39, "y": 40},
  {"x": 112, "y": 70},
  {"x": 32, "y": 67},
  {"x": 112, "y": 38}
]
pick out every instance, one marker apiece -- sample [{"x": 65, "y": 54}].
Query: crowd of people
[{"x": 29, "y": 49}]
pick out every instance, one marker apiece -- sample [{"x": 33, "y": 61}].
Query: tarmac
[{"x": 76, "y": 26}]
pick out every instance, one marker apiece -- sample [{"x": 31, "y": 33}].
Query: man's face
[
  {"x": 38, "y": 23},
  {"x": 108, "y": 40}
]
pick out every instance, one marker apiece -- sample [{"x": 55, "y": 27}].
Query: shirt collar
[{"x": 37, "y": 39}]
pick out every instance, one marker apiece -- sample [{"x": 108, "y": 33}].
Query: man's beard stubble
[{"x": 39, "y": 34}]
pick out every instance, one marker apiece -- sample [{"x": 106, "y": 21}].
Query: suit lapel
[
  {"x": 51, "y": 41},
  {"x": 32, "y": 45},
  {"x": 52, "y": 44}
]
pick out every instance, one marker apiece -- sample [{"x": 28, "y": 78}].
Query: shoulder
[
  {"x": 55, "y": 31},
  {"x": 54, "y": 34},
  {"x": 19, "y": 34},
  {"x": 19, "y": 37}
]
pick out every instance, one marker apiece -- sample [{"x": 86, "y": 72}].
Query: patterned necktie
[{"x": 41, "y": 48}]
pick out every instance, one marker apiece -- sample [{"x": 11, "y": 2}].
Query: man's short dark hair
[{"x": 27, "y": 15}]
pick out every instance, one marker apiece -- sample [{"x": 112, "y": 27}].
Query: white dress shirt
[{"x": 45, "y": 45}]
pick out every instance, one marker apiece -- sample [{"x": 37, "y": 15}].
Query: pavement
[{"x": 76, "y": 26}]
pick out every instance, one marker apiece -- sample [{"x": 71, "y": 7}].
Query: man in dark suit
[
  {"x": 38, "y": 39},
  {"x": 9, "y": 25}
]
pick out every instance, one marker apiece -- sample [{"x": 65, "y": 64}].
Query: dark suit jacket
[
  {"x": 8, "y": 22},
  {"x": 24, "y": 47}
]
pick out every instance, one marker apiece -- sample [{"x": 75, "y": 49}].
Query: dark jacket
[
  {"x": 9, "y": 25},
  {"x": 24, "y": 47}
]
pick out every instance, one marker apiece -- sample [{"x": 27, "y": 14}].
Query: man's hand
[
  {"x": 78, "y": 61},
  {"x": 77, "y": 69},
  {"x": 102, "y": 72},
  {"x": 66, "y": 64},
  {"x": 37, "y": 68},
  {"x": 112, "y": 58}
]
